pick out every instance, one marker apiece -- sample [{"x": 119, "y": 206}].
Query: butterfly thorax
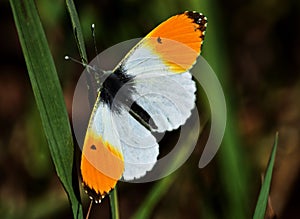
[{"x": 116, "y": 89}]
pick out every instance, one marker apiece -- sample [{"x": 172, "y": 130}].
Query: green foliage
[
  {"x": 262, "y": 201},
  {"x": 48, "y": 94},
  {"x": 155, "y": 195},
  {"x": 114, "y": 206},
  {"x": 77, "y": 30}
]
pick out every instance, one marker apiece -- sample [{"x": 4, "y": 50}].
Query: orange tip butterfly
[{"x": 118, "y": 141}]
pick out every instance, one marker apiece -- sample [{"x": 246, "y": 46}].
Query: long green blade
[
  {"x": 262, "y": 202},
  {"x": 80, "y": 43},
  {"x": 48, "y": 94},
  {"x": 81, "y": 47},
  {"x": 77, "y": 30},
  {"x": 114, "y": 206}
]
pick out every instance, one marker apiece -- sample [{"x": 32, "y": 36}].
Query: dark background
[{"x": 254, "y": 48}]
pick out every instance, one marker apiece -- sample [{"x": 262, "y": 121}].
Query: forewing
[
  {"x": 168, "y": 99},
  {"x": 102, "y": 163}
]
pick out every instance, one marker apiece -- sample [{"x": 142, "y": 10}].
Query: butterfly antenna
[
  {"x": 75, "y": 60},
  {"x": 79, "y": 62},
  {"x": 95, "y": 43},
  {"x": 94, "y": 38}
]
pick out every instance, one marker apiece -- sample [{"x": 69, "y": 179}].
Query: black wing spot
[
  {"x": 159, "y": 40},
  {"x": 93, "y": 147}
]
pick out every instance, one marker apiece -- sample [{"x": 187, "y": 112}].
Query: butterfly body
[{"x": 112, "y": 84}]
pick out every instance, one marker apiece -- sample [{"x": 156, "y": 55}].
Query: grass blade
[
  {"x": 113, "y": 199},
  {"x": 77, "y": 30},
  {"x": 48, "y": 94},
  {"x": 81, "y": 47},
  {"x": 262, "y": 201},
  {"x": 80, "y": 44},
  {"x": 231, "y": 153}
]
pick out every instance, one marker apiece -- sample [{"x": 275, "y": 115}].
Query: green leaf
[
  {"x": 77, "y": 30},
  {"x": 114, "y": 206},
  {"x": 48, "y": 94},
  {"x": 262, "y": 202},
  {"x": 80, "y": 44},
  {"x": 231, "y": 155}
]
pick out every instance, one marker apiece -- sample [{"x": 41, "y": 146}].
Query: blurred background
[{"x": 253, "y": 47}]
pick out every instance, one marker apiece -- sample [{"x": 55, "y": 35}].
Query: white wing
[
  {"x": 139, "y": 146},
  {"x": 167, "y": 96},
  {"x": 168, "y": 99}
]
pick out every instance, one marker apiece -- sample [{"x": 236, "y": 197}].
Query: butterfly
[{"x": 150, "y": 90}]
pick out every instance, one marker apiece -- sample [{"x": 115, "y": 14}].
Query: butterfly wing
[
  {"x": 175, "y": 43},
  {"x": 102, "y": 162},
  {"x": 168, "y": 99},
  {"x": 159, "y": 67},
  {"x": 139, "y": 146},
  {"x": 115, "y": 145}
]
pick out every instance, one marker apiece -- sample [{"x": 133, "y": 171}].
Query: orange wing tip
[
  {"x": 96, "y": 184},
  {"x": 200, "y": 20},
  {"x": 102, "y": 165},
  {"x": 93, "y": 195},
  {"x": 178, "y": 40}
]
